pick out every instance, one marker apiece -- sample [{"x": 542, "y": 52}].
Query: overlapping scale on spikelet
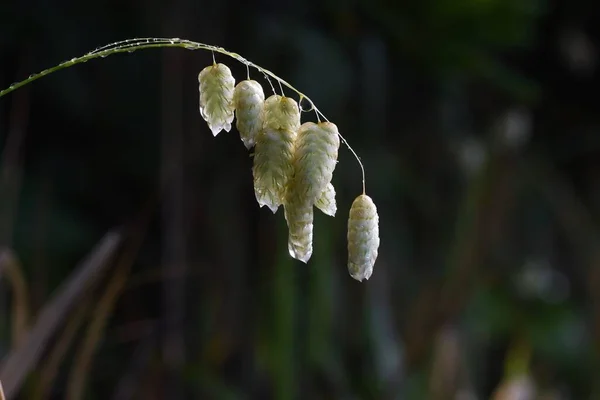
[
  {"x": 216, "y": 84},
  {"x": 248, "y": 100},
  {"x": 315, "y": 158},
  {"x": 274, "y": 149},
  {"x": 326, "y": 202},
  {"x": 299, "y": 217},
  {"x": 363, "y": 237}
]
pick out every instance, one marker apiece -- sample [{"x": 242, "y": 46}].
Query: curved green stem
[{"x": 131, "y": 45}]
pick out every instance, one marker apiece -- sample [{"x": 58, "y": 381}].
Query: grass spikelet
[
  {"x": 281, "y": 112},
  {"x": 326, "y": 202},
  {"x": 272, "y": 167},
  {"x": 299, "y": 217},
  {"x": 363, "y": 237},
  {"x": 248, "y": 100},
  {"x": 315, "y": 158},
  {"x": 274, "y": 149},
  {"x": 216, "y": 84}
]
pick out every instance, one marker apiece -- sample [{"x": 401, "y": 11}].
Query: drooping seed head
[
  {"x": 281, "y": 112},
  {"x": 299, "y": 217},
  {"x": 363, "y": 237},
  {"x": 315, "y": 158},
  {"x": 326, "y": 202},
  {"x": 248, "y": 100},
  {"x": 216, "y": 85},
  {"x": 272, "y": 167},
  {"x": 274, "y": 149}
]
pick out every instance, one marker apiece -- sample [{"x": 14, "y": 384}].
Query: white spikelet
[
  {"x": 326, "y": 202},
  {"x": 274, "y": 149},
  {"x": 363, "y": 237},
  {"x": 280, "y": 112},
  {"x": 216, "y": 84},
  {"x": 315, "y": 158},
  {"x": 299, "y": 217},
  {"x": 272, "y": 167},
  {"x": 248, "y": 100}
]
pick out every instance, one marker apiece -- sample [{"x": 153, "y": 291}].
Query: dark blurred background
[{"x": 136, "y": 264}]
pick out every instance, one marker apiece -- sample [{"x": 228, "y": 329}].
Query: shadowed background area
[{"x": 135, "y": 262}]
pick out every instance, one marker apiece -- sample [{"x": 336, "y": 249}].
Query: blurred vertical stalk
[
  {"x": 480, "y": 223},
  {"x": 11, "y": 172},
  {"x": 447, "y": 364},
  {"x": 131, "y": 380},
  {"x": 517, "y": 383},
  {"x": 39, "y": 273},
  {"x": 12, "y": 269},
  {"x": 82, "y": 364},
  {"x": 383, "y": 337},
  {"x": 49, "y": 369},
  {"x": 172, "y": 177},
  {"x": 283, "y": 300},
  {"x": 320, "y": 331},
  {"x": 577, "y": 222}
]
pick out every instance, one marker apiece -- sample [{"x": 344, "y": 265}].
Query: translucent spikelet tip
[{"x": 299, "y": 256}]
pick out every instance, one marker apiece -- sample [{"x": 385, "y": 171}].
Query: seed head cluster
[{"x": 293, "y": 163}]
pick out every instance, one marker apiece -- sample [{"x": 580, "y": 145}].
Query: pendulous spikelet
[
  {"x": 274, "y": 149},
  {"x": 363, "y": 237},
  {"x": 299, "y": 216},
  {"x": 315, "y": 158},
  {"x": 216, "y": 84},
  {"x": 248, "y": 100},
  {"x": 326, "y": 202}
]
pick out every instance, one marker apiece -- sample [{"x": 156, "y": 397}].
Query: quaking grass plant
[{"x": 293, "y": 162}]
